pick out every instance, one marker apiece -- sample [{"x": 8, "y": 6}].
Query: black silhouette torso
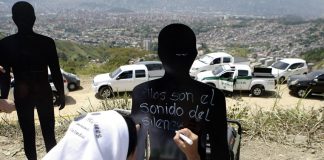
[
  {"x": 29, "y": 55},
  {"x": 177, "y": 101}
]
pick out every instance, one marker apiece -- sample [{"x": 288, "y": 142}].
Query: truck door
[
  {"x": 124, "y": 82},
  {"x": 140, "y": 77},
  {"x": 242, "y": 80},
  {"x": 226, "y": 81},
  {"x": 295, "y": 68},
  {"x": 212, "y": 65}
]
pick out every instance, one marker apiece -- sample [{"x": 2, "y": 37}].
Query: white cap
[{"x": 98, "y": 136}]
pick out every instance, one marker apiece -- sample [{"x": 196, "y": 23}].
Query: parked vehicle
[
  {"x": 54, "y": 90},
  {"x": 155, "y": 68},
  {"x": 72, "y": 80},
  {"x": 303, "y": 85},
  {"x": 284, "y": 68},
  {"x": 123, "y": 79},
  {"x": 210, "y": 61},
  {"x": 239, "y": 77}
]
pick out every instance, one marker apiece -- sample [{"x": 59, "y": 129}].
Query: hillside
[
  {"x": 87, "y": 59},
  {"x": 315, "y": 56}
]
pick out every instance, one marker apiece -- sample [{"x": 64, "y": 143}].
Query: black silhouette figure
[
  {"x": 29, "y": 55},
  {"x": 177, "y": 101}
]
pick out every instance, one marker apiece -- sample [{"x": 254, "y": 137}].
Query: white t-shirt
[{"x": 98, "y": 136}]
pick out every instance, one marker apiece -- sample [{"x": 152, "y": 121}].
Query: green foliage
[
  {"x": 87, "y": 59},
  {"x": 68, "y": 50},
  {"x": 239, "y": 50},
  {"x": 315, "y": 55},
  {"x": 319, "y": 65}
]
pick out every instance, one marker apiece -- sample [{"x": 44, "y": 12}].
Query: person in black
[
  {"x": 29, "y": 55},
  {"x": 176, "y": 101}
]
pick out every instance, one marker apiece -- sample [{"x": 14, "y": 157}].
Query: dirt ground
[{"x": 84, "y": 98}]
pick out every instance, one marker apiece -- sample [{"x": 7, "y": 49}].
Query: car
[
  {"x": 286, "y": 67},
  {"x": 72, "y": 80},
  {"x": 54, "y": 90},
  {"x": 210, "y": 61},
  {"x": 303, "y": 85}
]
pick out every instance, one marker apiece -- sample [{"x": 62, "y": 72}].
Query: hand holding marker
[
  {"x": 187, "y": 141},
  {"x": 185, "y": 138}
]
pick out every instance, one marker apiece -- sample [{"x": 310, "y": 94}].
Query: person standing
[
  {"x": 29, "y": 55},
  {"x": 176, "y": 101}
]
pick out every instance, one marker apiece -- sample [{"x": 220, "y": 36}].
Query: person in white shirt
[{"x": 107, "y": 135}]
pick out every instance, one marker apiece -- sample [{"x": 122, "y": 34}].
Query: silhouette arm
[
  {"x": 5, "y": 83},
  {"x": 4, "y": 74},
  {"x": 218, "y": 130},
  {"x": 56, "y": 74}
]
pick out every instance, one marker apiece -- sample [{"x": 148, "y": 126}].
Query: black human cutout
[
  {"x": 29, "y": 55},
  {"x": 177, "y": 101}
]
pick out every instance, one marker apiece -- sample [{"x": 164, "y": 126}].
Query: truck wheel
[
  {"x": 105, "y": 92},
  {"x": 301, "y": 92},
  {"x": 281, "y": 80},
  {"x": 72, "y": 86},
  {"x": 257, "y": 90}
]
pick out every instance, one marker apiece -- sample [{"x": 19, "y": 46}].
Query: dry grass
[{"x": 296, "y": 126}]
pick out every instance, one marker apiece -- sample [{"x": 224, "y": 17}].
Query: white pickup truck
[
  {"x": 210, "y": 61},
  {"x": 123, "y": 79},
  {"x": 239, "y": 77}
]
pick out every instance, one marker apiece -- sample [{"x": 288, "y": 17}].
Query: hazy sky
[{"x": 305, "y": 8}]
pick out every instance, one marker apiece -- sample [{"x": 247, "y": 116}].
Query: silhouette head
[
  {"x": 23, "y": 15},
  {"x": 177, "y": 48}
]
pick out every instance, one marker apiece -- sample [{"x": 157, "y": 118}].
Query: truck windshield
[
  {"x": 217, "y": 70},
  {"x": 280, "y": 65},
  {"x": 206, "y": 59},
  {"x": 114, "y": 73}
]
